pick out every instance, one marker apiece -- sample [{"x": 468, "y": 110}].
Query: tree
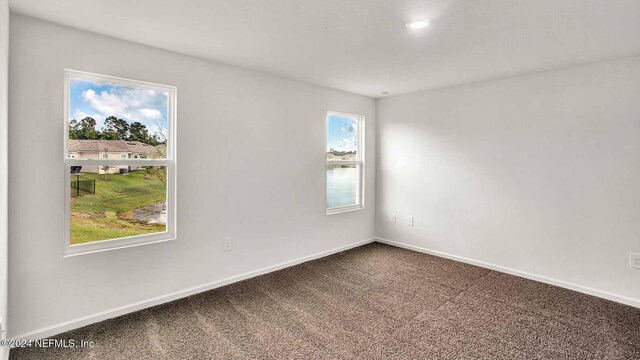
[
  {"x": 105, "y": 169},
  {"x": 73, "y": 129},
  {"x": 83, "y": 130},
  {"x": 159, "y": 140},
  {"x": 115, "y": 129},
  {"x": 139, "y": 132}
]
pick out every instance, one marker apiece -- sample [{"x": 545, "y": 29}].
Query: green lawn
[{"x": 109, "y": 213}]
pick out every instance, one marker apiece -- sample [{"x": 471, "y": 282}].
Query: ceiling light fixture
[{"x": 418, "y": 25}]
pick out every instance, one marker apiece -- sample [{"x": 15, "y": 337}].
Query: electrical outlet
[
  {"x": 392, "y": 218},
  {"x": 226, "y": 244},
  {"x": 410, "y": 221},
  {"x": 634, "y": 260}
]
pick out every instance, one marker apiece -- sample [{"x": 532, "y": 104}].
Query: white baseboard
[
  {"x": 122, "y": 310},
  {"x": 563, "y": 284}
]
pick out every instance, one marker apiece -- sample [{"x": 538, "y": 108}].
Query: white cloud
[
  {"x": 129, "y": 104},
  {"x": 105, "y": 102},
  {"x": 79, "y": 115},
  {"x": 150, "y": 114},
  {"x": 346, "y": 144},
  {"x": 350, "y": 127}
]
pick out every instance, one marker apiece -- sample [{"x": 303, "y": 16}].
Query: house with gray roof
[{"x": 112, "y": 149}]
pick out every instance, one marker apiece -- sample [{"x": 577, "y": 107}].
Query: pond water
[{"x": 155, "y": 213}]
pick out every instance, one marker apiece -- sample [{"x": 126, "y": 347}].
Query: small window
[
  {"x": 107, "y": 119},
  {"x": 345, "y": 165}
]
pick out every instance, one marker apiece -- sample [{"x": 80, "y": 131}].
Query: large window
[
  {"x": 119, "y": 162},
  {"x": 345, "y": 162}
]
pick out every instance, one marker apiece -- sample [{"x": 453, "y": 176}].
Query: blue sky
[
  {"x": 100, "y": 100},
  {"x": 341, "y": 133}
]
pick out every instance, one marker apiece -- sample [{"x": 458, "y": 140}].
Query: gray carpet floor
[{"x": 372, "y": 302}]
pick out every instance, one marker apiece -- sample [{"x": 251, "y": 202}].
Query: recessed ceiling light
[{"x": 418, "y": 25}]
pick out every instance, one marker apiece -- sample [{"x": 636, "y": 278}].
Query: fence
[{"x": 81, "y": 185}]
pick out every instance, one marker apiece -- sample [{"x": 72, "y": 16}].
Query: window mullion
[{"x": 115, "y": 162}]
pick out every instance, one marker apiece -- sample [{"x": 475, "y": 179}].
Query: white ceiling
[{"x": 363, "y": 46}]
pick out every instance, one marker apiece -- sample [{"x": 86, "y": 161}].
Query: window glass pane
[
  {"x": 342, "y": 138},
  {"x": 110, "y": 202},
  {"x": 110, "y": 121},
  {"x": 342, "y": 185}
]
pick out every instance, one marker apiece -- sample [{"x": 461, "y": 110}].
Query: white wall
[
  {"x": 4, "y": 72},
  {"x": 251, "y": 165},
  {"x": 538, "y": 173}
]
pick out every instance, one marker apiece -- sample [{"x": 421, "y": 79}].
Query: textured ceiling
[{"x": 362, "y": 46}]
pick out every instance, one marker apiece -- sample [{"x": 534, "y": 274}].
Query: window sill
[
  {"x": 343, "y": 209},
  {"x": 123, "y": 243}
]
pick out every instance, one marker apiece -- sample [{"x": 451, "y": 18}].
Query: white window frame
[
  {"x": 359, "y": 162},
  {"x": 169, "y": 163}
]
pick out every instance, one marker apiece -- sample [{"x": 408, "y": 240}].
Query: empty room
[{"x": 319, "y": 179}]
